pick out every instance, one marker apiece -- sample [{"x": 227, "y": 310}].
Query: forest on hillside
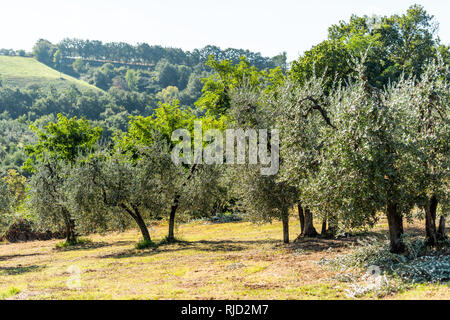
[{"x": 135, "y": 79}]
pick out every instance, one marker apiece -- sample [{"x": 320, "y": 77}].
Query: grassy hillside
[
  {"x": 22, "y": 72},
  {"x": 215, "y": 261}
]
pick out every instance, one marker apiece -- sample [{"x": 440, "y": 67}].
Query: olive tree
[
  {"x": 48, "y": 198},
  {"x": 50, "y": 160},
  {"x": 304, "y": 122},
  {"x": 428, "y": 98},
  {"x": 262, "y": 197},
  {"x": 108, "y": 192},
  {"x": 5, "y": 206},
  {"x": 372, "y": 154},
  {"x": 168, "y": 118}
]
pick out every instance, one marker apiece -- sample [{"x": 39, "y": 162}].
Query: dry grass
[{"x": 215, "y": 261}]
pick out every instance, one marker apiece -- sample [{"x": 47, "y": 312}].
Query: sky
[{"x": 269, "y": 27}]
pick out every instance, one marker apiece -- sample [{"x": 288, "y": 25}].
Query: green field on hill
[{"x": 22, "y": 72}]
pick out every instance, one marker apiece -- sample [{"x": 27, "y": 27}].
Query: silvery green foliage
[
  {"x": 204, "y": 193},
  {"x": 262, "y": 198},
  {"x": 104, "y": 187},
  {"x": 303, "y": 118},
  {"x": 314, "y": 148},
  {"x": 5, "y": 206},
  {"x": 428, "y": 100},
  {"x": 48, "y": 195},
  {"x": 421, "y": 264},
  {"x": 426, "y": 269},
  {"x": 366, "y": 159},
  {"x": 300, "y": 126}
]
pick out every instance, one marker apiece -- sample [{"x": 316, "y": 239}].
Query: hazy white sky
[{"x": 269, "y": 27}]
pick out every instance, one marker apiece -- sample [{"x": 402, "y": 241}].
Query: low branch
[{"x": 317, "y": 106}]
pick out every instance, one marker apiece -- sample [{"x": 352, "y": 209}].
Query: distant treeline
[
  {"x": 170, "y": 73},
  {"x": 144, "y": 53},
  {"x": 12, "y": 52}
]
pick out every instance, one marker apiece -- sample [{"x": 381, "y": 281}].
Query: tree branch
[{"x": 317, "y": 106}]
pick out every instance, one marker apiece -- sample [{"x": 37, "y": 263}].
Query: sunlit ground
[{"x": 214, "y": 261}]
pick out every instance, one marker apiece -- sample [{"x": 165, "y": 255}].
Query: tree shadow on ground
[
  {"x": 93, "y": 245},
  {"x": 200, "y": 245},
  {"x": 415, "y": 231},
  {"x": 13, "y": 256},
  {"x": 19, "y": 269},
  {"x": 320, "y": 243}
]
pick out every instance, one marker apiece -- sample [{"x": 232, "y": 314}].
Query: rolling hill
[{"x": 22, "y": 72}]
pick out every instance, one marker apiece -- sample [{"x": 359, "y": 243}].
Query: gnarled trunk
[
  {"x": 441, "y": 230},
  {"x": 395, "y": 221},
  {"x": 71, "y": 236},
  {"x": 285, "y": 221},
  {"x": 430, "y": 221},
  {"x": 142, "y": 226},
  {"x": 135, "y": 214},
  {"x": 173, "y": 210},
  {"x": 301, "y": 217},
  {"x": 330, "y": 230},
  {"x": 309, "y": 231},
  {"x": 332, "y": 227},
  {"x": 323, "y": 232}
]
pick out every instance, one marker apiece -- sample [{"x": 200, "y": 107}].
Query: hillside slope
[{"x": 22, "y": 72}]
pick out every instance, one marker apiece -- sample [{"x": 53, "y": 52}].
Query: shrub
[
  {"x": 145, "y": 244},
  {"x": 79, "y": 242},
  {"x": 224, "y": 217}
]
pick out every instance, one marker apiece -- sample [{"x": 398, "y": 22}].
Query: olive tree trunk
[
  {"x": 175, "y": 204},
  {"x": 441, "y": 230},
  {"x": 309, "y": 230},
  {"x": 395, "y": 221},
  {"x": 430, "y": 221},
  {"x": 301, "y": 218},
  {"x": 285, "y": 221},
  {"x": 142, "y": 226},
  {"x": 173, "y": 210},
  {"x": 71, "y": 236}
]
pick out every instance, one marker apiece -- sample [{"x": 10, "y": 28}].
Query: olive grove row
[{"x": 346, "y": 155}]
